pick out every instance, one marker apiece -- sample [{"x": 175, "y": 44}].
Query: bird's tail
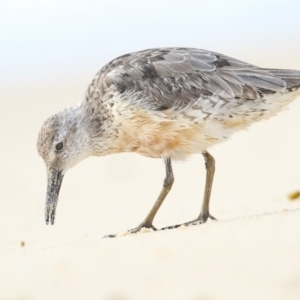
[{"x": 291, "y": 77}]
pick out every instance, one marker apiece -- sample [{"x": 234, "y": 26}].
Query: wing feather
[{"x": 177, "y": 77}]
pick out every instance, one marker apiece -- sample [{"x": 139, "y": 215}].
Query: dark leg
[
  {"x": 168, "y": 182},
  {"x": 204, "y": 213}
]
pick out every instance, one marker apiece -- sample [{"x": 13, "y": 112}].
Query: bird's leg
[
  {"x": 204, "y": 213},
  {"x": 210, "y": 171},
  {"x": 168, "y": 182}
]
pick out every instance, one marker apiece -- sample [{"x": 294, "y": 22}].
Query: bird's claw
[
  {"x": 200, "y": 220},
  {"x": 142, "y": 227}
]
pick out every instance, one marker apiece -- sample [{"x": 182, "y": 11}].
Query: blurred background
[{"x": 50, "y": 51}]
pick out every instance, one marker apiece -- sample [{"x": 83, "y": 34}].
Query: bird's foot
[
  {"x": 200, "y": 220},
  {"x": 143, "y": 227}
]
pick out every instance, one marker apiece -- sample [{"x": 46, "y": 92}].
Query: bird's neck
[{"x": 97, "y": 131}]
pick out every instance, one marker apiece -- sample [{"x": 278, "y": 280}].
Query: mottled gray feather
[{"x": 178, "y": 77}]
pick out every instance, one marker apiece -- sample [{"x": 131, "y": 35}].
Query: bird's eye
[{"x": 59, "y": 146}]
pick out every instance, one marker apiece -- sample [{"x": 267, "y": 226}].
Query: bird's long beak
[{"x": 54, "y": 182}]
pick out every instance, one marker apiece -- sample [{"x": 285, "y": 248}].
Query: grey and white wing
[{"x": 172, "y": 78}]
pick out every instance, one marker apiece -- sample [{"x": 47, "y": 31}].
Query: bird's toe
[
  {"x": 142, "y": 228},
  {"x": 200, "y": 220}
]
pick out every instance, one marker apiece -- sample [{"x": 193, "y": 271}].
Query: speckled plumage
[
  {"x": 167, "y": 102},
  {"x": 203, "y": 95}
]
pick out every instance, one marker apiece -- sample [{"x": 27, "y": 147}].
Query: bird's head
[{"x": 62, "y": 143}]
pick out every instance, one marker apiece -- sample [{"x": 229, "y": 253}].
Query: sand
[
  {"x": 50, "y": 54},
  {"x": 252, "y": 252},
  {"x": 249, "y": 258}
]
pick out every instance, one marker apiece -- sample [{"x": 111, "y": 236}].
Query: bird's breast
[{"x": 158, "y": 134}]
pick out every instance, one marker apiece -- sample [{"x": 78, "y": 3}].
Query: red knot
[{"x": 165, "y": 103}]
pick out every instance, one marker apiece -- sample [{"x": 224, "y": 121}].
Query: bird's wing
[{"x": 178, "y": 77}]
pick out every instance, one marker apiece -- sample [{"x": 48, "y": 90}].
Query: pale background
[{"x": 49, "y": 52}]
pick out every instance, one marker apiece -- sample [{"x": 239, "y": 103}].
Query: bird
[{"x": 166, "y": 103}]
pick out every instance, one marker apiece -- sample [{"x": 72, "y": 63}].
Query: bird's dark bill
[{"x": 54, "y": 183}]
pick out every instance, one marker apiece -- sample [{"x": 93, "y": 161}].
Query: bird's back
[{"x": 171, "y": 75}]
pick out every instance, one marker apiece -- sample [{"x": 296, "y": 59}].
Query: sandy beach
[
  {"x": 251, "y": 252},
  {"x": 252, "y": 249}
]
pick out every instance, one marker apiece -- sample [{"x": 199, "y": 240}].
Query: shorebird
[{"x": 164, "y": 103}]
